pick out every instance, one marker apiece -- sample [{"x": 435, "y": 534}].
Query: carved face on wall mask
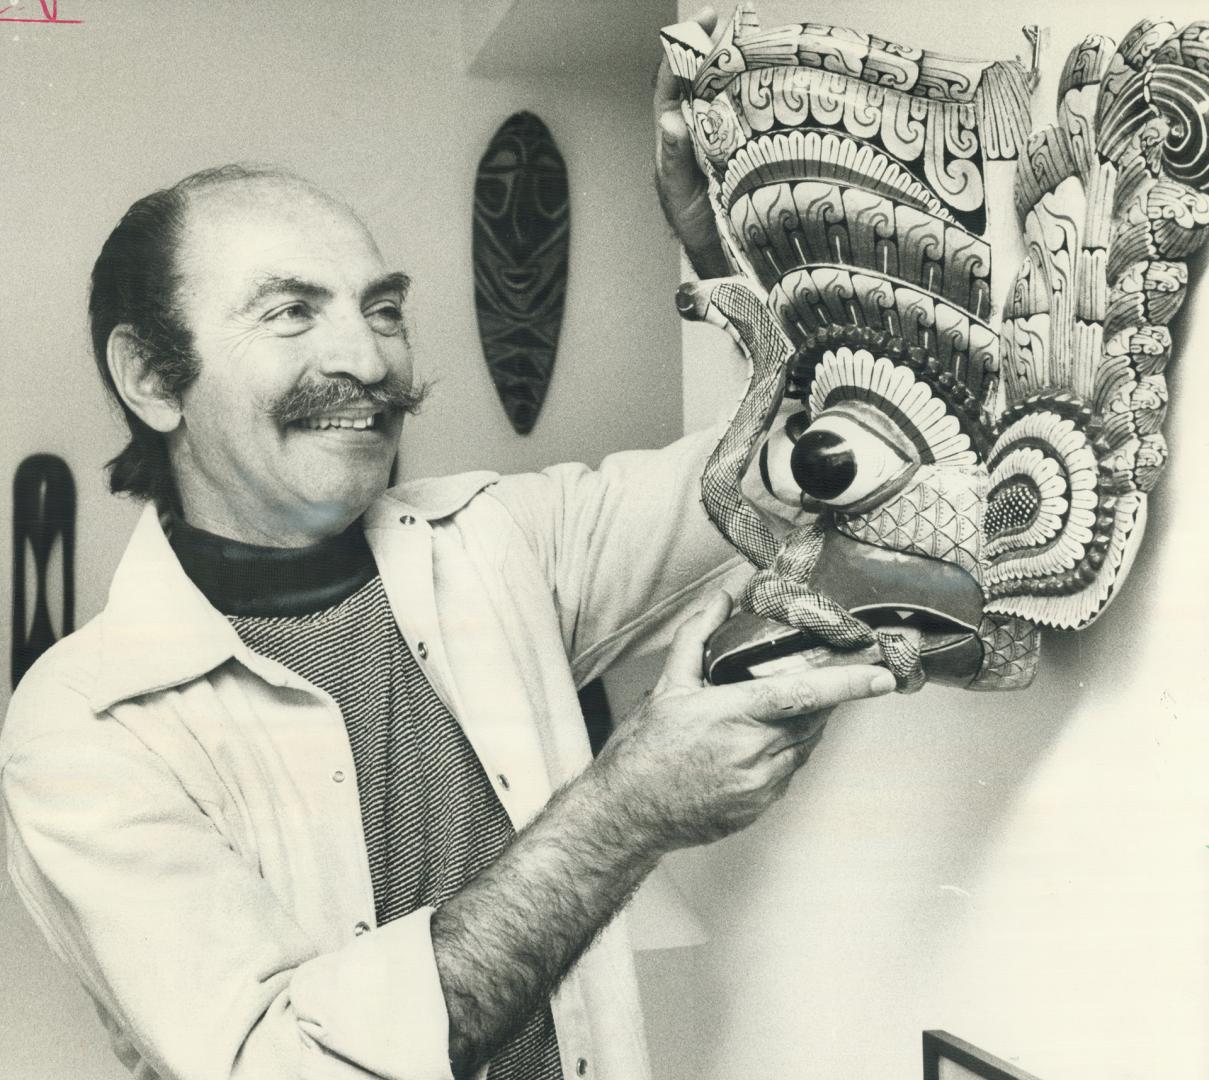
[
  {"x": 521, "y": 241},
  {"x": 958, "y": 487}
]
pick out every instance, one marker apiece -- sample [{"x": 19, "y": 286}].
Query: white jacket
[{"x": 176, "y": 827}]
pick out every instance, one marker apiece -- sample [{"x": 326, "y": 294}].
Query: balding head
[
  {"x": 230, "y": 197},
  {"x": 135, "y": 282}
]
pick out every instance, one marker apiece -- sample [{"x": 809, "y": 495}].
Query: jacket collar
[
  {"x": 428, "y": 499},
  {"x": 158, "y": 630}
]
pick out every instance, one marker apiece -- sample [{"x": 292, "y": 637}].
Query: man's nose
[{"x": 354, "y": 349}]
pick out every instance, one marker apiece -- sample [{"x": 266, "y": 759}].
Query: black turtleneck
[{"x": 246, "y": 579}]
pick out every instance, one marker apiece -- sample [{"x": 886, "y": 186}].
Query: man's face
[{"x": 296, "y": 323}]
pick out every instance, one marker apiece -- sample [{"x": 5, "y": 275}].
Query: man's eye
[
  {"x": 385, "y": 318},
  {"x": 289, "y": 312}
]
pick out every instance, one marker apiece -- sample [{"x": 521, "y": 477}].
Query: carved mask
[
  {"x": 964, "y": 485},
  {"x": 521, "y": 240}
]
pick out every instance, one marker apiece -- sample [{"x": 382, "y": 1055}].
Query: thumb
[
  {"x": 683, "y": 667},
  {"x": 694, "y": 301}
]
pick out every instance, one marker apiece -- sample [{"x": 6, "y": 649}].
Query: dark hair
[{"x": 135, "y": 281}]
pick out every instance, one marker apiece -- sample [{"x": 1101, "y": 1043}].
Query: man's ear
[{"x": 139, "y": 385}]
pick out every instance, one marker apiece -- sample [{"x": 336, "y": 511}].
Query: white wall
[
  {"x": 1029, "y": 871},
  {"x": 370, "y": 100}
]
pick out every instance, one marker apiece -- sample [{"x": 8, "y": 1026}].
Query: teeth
[{"x": 319, "y": 423}]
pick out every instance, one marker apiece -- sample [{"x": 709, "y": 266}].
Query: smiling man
[
  {"x": 294, "y": 418},
  {"x": 312, "y": 797}
]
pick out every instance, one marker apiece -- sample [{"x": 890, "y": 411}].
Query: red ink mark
[{"x": 50, "y": 15}]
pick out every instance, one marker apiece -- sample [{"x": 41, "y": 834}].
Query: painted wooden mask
[
  {"x": 521, "y": 240},
  {"x": 958, "y": 486}
]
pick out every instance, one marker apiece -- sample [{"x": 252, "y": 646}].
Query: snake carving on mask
[{"x": 953, "y": 483}]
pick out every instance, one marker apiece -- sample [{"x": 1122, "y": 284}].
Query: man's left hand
[{"x": 682, "y": 188}]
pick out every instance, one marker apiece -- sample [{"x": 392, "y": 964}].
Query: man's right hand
[
  {"x": 696, "y": 762},
  {"x": 693, "y": 764}
]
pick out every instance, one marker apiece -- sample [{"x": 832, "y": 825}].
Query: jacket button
[
  {"x": 338, "y": 776},
  {"x": 407, "y": 519},
  {"x": 361, "y": 928},
  {"x": 581, "y": 1067},
  {"x": 503, "y": 781},
  {"x": 422, "y": 649}
]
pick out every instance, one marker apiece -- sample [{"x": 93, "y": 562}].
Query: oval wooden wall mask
[{"x": 522, "y": 230}]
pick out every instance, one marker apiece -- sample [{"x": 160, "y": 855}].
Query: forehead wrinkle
[{"x": 225, "y": 221}]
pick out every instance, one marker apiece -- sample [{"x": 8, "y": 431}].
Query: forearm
[
  {"x": 693, "y": 764},
  {"x": 504, "y": 942}
]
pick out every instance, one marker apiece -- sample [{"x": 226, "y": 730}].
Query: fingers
[
  {"x": 682, "y": 189},
  {"x": 786, "y": 762},
  {"x": 803, "y": 726},
  {"x": 799, "y": 753},
  {"x": 799, "y": 731},
  {"x": 791, "y": 755},
  {"x": 674, "y": 157},
  {"x": 667, "y": 89},
  {"x": 683, "y": 667},
  {"x": 679, "y": 182},
  {"x": 692, "y": 301},
  {"x": 778, "y": 697}
]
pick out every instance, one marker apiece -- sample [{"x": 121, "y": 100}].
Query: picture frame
[{"x": 947, "y": 1057}]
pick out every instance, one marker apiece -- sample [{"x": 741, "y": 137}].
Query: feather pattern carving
[{"x": 1112, "y": 200}]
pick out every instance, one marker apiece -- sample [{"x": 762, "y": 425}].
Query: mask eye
[
  {"x": 841, "y": 462},
  {"x": 844, "y": 459}
]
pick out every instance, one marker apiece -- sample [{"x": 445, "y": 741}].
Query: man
[{"x": 312, "y": 796}]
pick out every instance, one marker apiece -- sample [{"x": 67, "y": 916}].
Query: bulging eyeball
[
  {"x": 823, "y": 464},
  {"x": 845, "y": 459}
]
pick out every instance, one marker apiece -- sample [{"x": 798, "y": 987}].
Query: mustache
[{"x": 340, "y": 392}]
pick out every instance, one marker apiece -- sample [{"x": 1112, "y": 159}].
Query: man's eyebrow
[
  {"x": 395, "y": 282},
  {"x": 273, "y": 284}
]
